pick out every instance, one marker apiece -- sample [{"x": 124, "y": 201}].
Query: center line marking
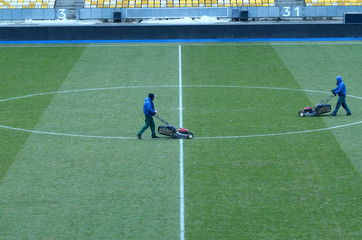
[{"x": 182, "y": 202}]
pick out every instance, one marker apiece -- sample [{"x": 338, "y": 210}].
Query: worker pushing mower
[
  {"x": 168, "y": 130},
  {"x": 323, "y": 107}
]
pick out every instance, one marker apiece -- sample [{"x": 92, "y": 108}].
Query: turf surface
[{"x": 245, "y": 177}]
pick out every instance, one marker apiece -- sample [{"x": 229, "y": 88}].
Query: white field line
[
  {"x": 182, "y": 195},
  {"x": 279, "y": 134},
  {"x": 197, "y": 138},
  {"x": 64, "y": 134},
  {"x": 172, "y": 86},
  {"x": 168, "y": 86},
  {"x": 87, "y": 89}
]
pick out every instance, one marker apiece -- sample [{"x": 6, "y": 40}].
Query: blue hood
[
  {"x": 339, "y": 80},
  {"x": 341, "y": 88}
]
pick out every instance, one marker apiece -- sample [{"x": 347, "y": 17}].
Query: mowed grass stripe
[
  {"x": 285, "y": 187},
  {"x": 316, "y": 67},
  {"x": 28, "y": 71},
  {"x": 241, "y": 111},
  {"x": 75, "y": 188}
]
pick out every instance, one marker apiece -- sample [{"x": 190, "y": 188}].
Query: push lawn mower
[
  {"x": 171, "y": 131},
  {"x": 320, "y": 108}
]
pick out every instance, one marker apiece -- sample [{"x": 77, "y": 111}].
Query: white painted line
[
  {"x": 88, "y": 89},
  {"x": 279, "y": 134},
  {"x": 182, "y": 195},
  {"x": 65, "y": 134}
]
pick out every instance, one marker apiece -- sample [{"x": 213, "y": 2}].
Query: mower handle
[
  {"x": 328, "y": 98},
  {"x": 163, "y": 121}
]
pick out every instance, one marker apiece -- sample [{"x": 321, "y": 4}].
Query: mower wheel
[
  {"x": 301, "y": 114},
  {"x": 191, "y": 136}
]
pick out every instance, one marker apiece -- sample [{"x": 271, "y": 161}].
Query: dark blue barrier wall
[{"x": 153, "y": 32}]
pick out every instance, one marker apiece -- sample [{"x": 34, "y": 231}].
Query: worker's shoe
[
  {"x": 154, "y": 136},
  {"x": 139, "y": 136},
  {"x": 348, "y": 114},
  {"x": 333, "y": 114}
]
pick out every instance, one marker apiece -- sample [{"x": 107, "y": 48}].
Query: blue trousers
[{"x": 341, "y": 101}]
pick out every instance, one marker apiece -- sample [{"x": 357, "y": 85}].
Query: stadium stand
[
  {"x": 175, "y": 3},
  {"x": 12, "y": 4},
  {"x": 333, "y": 2}
]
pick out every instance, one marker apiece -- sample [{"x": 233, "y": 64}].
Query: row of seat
[
  {"x": 12, "y": 4},
  {"x": 333, "y": 2},
  {"x": 174, "y": 3}
]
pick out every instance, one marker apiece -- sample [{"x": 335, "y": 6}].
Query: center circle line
[{"x": 173, "y": 86}]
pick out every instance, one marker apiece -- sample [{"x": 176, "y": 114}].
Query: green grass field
[{"x": 71, "y": 166}]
